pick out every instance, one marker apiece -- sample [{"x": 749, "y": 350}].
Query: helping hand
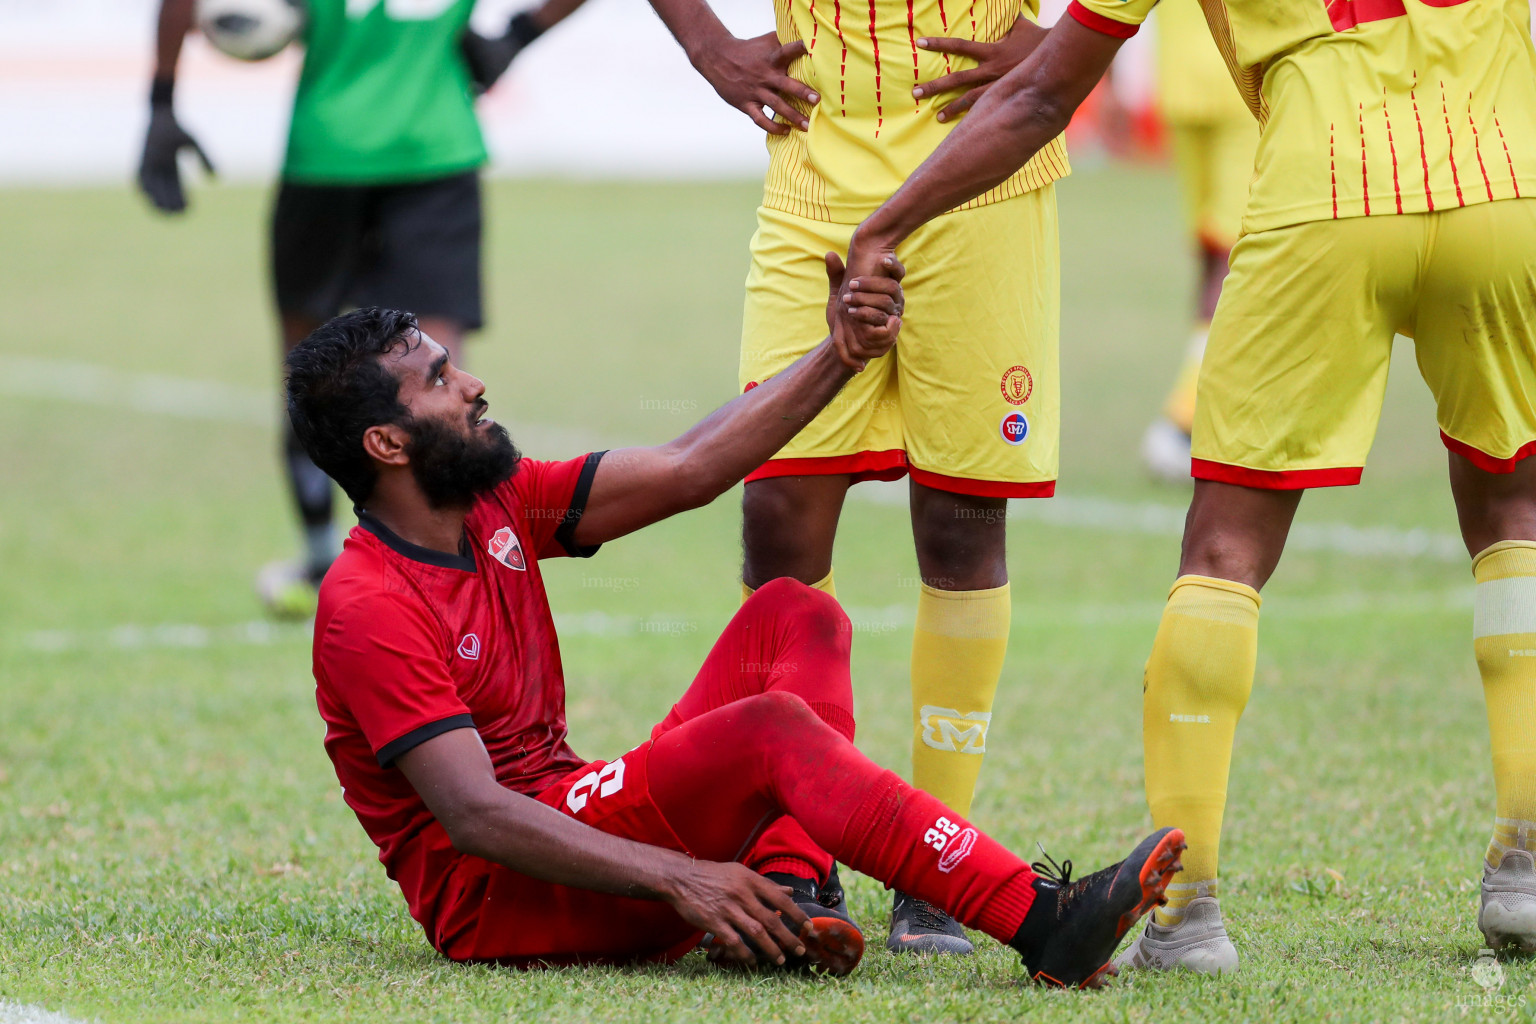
[
  {"x": 994, "y": 60},
  {"x": 751, "y": 74},
  {"x": 864, "y": 310}
]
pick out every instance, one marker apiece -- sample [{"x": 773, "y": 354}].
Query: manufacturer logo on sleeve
[
  {"x": 1014, "y": 428},
  {"x": 505, "y": 549},
  {"x": 469, "y": 647}
]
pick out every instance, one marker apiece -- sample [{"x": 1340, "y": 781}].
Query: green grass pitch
[{"x": 173, "y": 846}]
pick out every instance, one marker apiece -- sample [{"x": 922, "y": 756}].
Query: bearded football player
[
  {"x": 439, "y": 678},
  {"x": 379, "y": 201}
]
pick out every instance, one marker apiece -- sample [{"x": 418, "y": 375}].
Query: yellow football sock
[
  {"x": 825, "y": 583},
  {"x": 1197, "y": 684},
  {"x": 1180, "y": 405},
  {"x": 1504, "y": 637},
  {"x": 957, "y": 657}
]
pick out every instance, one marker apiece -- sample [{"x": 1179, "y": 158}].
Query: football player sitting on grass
[{"x": 439, "y": 678}]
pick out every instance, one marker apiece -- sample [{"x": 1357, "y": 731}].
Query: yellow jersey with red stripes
[
  {"x": 1372, "y": 106},
  {"x": 868, "y": 133}
]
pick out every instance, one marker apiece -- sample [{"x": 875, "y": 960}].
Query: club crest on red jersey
[
  {"x": 504, "y": 547},
  {"x": 469, "y": 647}
]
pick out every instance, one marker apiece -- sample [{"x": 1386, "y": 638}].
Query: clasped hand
[{"x": 864, "y": 308}]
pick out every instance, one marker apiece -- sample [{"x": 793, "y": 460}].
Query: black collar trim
[{"x": 464, "y": 561}]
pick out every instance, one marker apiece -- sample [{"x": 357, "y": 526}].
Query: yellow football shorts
[
  {"x": 1296, "y": 366},
  {"x": 968, "y": 400},
  {"x": 1215, "y": 165}
]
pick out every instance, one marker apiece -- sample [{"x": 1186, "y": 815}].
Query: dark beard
[{"x": 452, "y": 468}]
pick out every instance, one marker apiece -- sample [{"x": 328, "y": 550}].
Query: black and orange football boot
[
  {"x": 834, "y": 944},
  {"x": 1073, "y": 927}
]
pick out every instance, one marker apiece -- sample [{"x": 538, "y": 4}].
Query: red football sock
[{"x": 719, "y": 778}]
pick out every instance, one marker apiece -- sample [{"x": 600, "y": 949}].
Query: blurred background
[{"x": 608, "y": 94}]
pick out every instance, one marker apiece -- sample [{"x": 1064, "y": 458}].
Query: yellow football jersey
[
  {"x": 1373, "y": 106},
  {"x": 1193, "y": 84},
  {"x": 868, "y": 134}
]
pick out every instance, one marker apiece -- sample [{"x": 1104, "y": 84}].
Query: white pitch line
[
  {"x": 872, "y": 620},
  {"x": 183, "y": 397},
  {"x": 19, "y": 1013},
  {"x": 166, "y": 636},
  {"x": 1159, "y": 520}
]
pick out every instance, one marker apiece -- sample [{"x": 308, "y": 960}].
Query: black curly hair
[{"x": 338, "y": 387}]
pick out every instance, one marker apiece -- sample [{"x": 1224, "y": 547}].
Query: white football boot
[
  {"x": 1198, "y": 942},
  {"x": 1507, "y": 912},
  {"x": 1165, "y": 452}
]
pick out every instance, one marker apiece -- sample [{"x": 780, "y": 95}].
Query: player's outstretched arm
[
  {"x": 1021, "y": 112},
  {"x": 749, "y": 74},
  {"x": 635, "y": 487},
  {"x": 159, "y": 177},
  {"x": 453, "y": 775}
]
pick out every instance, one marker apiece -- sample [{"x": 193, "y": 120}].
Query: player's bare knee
[
  {"x": 1491, "y": 507},
  {"x": 961, "y": 540},
  {"x": 787, "y": 529}
]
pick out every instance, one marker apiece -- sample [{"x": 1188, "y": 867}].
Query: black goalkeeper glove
[
  {"x": 489, "y": 58},
  {"x": 159, "y": 176}
]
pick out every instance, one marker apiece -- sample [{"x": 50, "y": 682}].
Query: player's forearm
[
  {"x": 542, "y": 843},
  {"x": 694, "y": 24},
  {"x": 749, "y": 430},
  {"x": 174, "y": 24},
  {"x": 552, "y": 12},
  {"x": 1023, "y": 110}
]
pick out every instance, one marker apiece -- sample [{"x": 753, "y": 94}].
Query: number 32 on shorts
[{"x": 1346, "y": 14}]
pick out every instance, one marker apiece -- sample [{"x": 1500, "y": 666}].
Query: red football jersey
[{"x": 411, "y": 643}]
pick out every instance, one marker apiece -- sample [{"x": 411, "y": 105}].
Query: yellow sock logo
[{"x": 948, "y": 729}]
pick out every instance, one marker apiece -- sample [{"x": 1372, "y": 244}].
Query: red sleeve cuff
[{"x": 1099, "y": 23}]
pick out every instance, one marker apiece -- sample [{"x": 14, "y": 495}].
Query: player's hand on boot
[
  {"x": 864, "y": 311},
  {"x": 751, "y": 74},
  {"x": 746, "y": 913},
  {"x": 159, "y": 175},
  {"x": 993, "y": 61}
]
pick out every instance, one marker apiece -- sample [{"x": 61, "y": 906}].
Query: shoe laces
[
  {"x": 1061, "y": 874},
  {"x": 926, "y": 915},
  {"x": 1051, "y": 871}
]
